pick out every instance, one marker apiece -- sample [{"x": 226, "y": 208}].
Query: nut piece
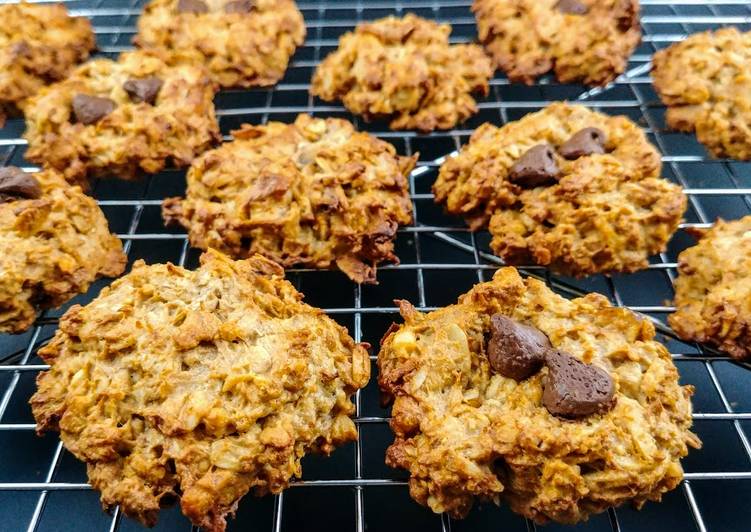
[
  {"x": 588, "y": 141},
  {"x": 91, "y": 109},
  {"x": 571, "y": 7},
  {"x": 535, "y": 168},
  {"x": 192, "y": 6},
  {"x": 574, "y": 389},
  {"x": 143, "y": 89},
  {"x": 17, "y": 184},
  {"x": 515, "y": 350},
  {"x": 239, "y": 6}
]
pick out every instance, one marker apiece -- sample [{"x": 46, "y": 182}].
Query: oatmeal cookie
[
  {"x": 565, "y": 187},
  {"x": 705, "y": 81},
  {"x": 122, "y": 118},
  {"x": 586, "y": 41},
  {"x": 54, "y": 242},
  {"x": 314, "y": 193},
  {"x": 243, "y": 43},
  {"x": 39, "y": 44},
  {"x": 713, "y": 289},
  {"x": 560, "y": 408},
  {"x": 198, "y": 385},
  {"x": 404, "y": 70}
]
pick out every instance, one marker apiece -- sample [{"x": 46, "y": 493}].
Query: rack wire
[{"x": 43, "y": 488}]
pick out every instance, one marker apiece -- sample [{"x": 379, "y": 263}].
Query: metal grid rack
[{"x": 42, "y": 487}]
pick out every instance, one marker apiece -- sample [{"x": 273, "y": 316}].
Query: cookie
[
  {"x": 54, "y": 242},
  {"x": 39, "y": 44},
  {"x": 199, "y": 386},
  {"x": 242, "y": 43},
  {"x": 713, "y": 289},
  {"x": 405, "y": 71},
  {"x": 122, "y": 118},
  {"x": 586, "y": 41},
  {"x": 705, "y": 80},
  {"x": 566, "y": 187},
  {"x": 559, "y": 408},
  {"x": 315, "y": 193}
]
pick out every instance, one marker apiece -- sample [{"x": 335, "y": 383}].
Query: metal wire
[{"x": 670, "y": 22}]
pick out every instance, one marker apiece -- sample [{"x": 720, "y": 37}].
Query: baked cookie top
[
  {"x": 122, "y": 118},
  {"x": 404, "y": 70},
  {"x": 713, "y": 289},
  {"x": 315, "y": 193},
  {"x": 198, "y": 385},
  {"x": 705, "y": 80},
  {"x": 54, "y": 242},
  {"x": 587, "y": 41},
  {"x": 39, "y": 44},
  {"x": 243, "y": 43},
  {"x": 561, "y": 408},
  {"x": 565, "y": 187}
]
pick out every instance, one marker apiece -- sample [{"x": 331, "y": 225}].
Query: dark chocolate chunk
[
  {"x": 91, "y": 109},
  {"x": 239, "y": 6},
  {"x": 20, "y": 49},
  {"x": 587, "y": 141},
  {"x": 192, "y": 6},
  {"x": 143, "y": 89},
  {"x": 17, "y": 184},
  {"x": 571, "y": 7},
  {"x": 574, "y": 389},
  {"x": 515, "y": 350},
  {"x": 537, "y": 167}
]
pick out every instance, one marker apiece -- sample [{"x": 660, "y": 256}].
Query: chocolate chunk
[
  {"x": 239, "y": 6},
  {"x": 17, "y": 184},
  {"x": 535, "y": 168},
  {"x": 20, "y": 49},
  {"x": 192, "y": 6},
  {"x": 143, "y": 89},
  {"x": 91, "y": 109},
  {"x": 515, "y": 350},
  {"x": 574, "y": 389},
  {"x": 587, "y": 141},
  {"x": 571, "y": 7}
]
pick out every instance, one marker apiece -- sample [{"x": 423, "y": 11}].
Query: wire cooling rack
[{"x": 42, "y": 487}]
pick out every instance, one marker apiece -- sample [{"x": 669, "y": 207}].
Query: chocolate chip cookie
[
  {"x": 54, "y": 242},
  {"x": 705, "y": 80},
  {"x": 198, "y": 386},
  {"x": 713, "y": 289},
  {"x": 39, "y": 44},
  {"x": 404, "y": 70},
  {"x": 587, "y": 41},
  {"x": 314, "y": 193},
  {"x": 559, "y": 408},
  {"x": 567, "y": 188},
  {"x": 242, "y": 43},
  {"x": 122, "y": 118}
]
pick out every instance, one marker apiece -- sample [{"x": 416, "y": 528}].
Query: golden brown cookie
[
  {"x": 242, "y": 43},
  {"x": 587, "y": 41},
  {"x": 54, "y": 242},
  {"x": 705, "y": 80},
  {"x": 122, "y": 118},
  {"x": 404, "y": 70},
  {"x": 713, "y": 289},
  {"x": 198, "y": 385},
  {"x": 597, "y": 420},
  {"x": 314, "y": 193},
  {"x": 39, "y": 44},
  {"x": 599, "y": 207}
]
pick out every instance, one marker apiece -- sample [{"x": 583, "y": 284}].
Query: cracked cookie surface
[
  {"x": 199, "y": 385},
  {"x": 54, "y": 242},
  {"x": 95, "y": 123},
  {"x": 587, "y": 41},
  {"x": 466, "y": 433},
  {"x": 713, "y": 289},
  {"x": 315, "y": 193},
  {"x": 245, "y": 43},
  {"x": 599, "y": 212},
  {"x": 705, "y": 80},
  {"x": 404, "y": 70},
  {"x": 39, "y": 44}
]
